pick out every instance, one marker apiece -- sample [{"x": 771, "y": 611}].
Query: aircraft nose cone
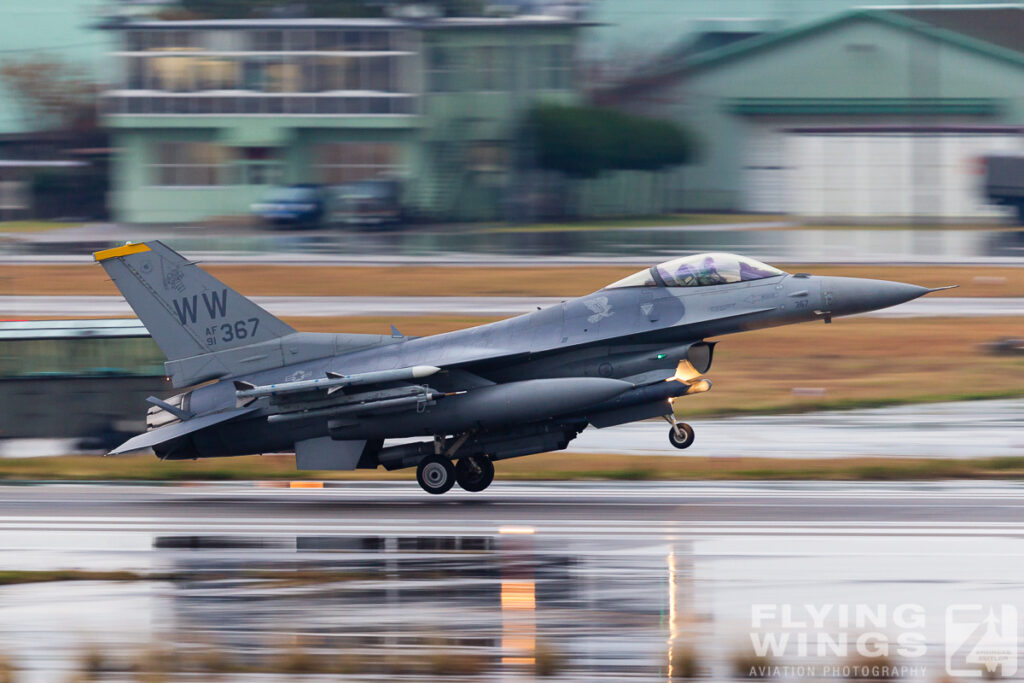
[{"x": 851, "y": 295}]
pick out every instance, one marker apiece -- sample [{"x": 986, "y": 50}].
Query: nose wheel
[
  {"x": 681, "y": 434},
  {"x": 435, "y": 474},
  {"x": 474, "y": 473}
]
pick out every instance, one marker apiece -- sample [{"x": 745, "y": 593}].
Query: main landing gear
[
  {"x": 681, "y": 434},
  {"x": 474, "y": 473},
  {"x": 436, "y": 474}
]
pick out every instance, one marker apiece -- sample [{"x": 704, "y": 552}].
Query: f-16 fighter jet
[{"x": 529, "y": 384}]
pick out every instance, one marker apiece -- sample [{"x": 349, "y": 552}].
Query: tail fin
[{"x": 188, "y": 311}]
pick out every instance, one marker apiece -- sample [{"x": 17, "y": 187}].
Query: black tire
[
  {"x": 687, "y": 439},
  {"x": 474, "y": 473},
  {"x": 435, "y": 474}
]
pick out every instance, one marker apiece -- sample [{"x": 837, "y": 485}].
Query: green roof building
[{"x": 873, "y": 114}]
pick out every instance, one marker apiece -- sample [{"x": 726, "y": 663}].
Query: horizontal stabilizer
[
  {"x": 177, "y": 430},
  {"x": 173, "y": 410}
]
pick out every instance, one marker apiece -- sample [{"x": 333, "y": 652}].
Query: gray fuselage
[{"x": 611, "y": 333}]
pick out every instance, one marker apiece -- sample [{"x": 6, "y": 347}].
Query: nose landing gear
[{"x": 681, "y": 434}]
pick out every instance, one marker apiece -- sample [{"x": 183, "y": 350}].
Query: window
[
  {"x": 134, "y": 41},
  {"x": 700, "y": 270},
  {"x": 301, "y": 40},
  {"x": 488, "y": 157},
  {"x": 378, "y": 74},
  {"x": 491, "y": 68},
  {"x": 268, "y": 41},
  {"x": 216, "y": 74},
  {"x": 283, "y": 77},
  {"x": 260, "y": 166},
  {"x": 554, "y": 63},
  {"x": 165, "y": 40},
  {"x": 353, "y": 40},
  {"x": 254, "y": 74},
  {"x": 328, "y": 73},
  {"x": 190, "y": 164},
  {"x": 563, "y": 67},
  {"x": 377, "y": 41},
  {"x": 174, "y": 74},
  {"x": 713, "y": 269},
  {"x": 441, "y": 70},
  {"x": 346, "y": 162},
  {"x": 134, "y": 73},
  {"x": 329, "y": 40}
]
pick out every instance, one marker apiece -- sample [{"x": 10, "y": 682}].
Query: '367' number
[{"x": 241, "y": 329}]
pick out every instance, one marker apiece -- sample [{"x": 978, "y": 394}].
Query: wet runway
[
  {"x": 770, "y": 241},
  {"x": 497, "y": 306},
  {"x": 615, "y": 579},
  {"x": 961, "y": 429}
]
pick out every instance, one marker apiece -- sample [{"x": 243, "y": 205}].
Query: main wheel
[
  {"x": 681, "y": 441},
  {"x": 435, "y": 474},
  {"x": 474, "y": 473}
]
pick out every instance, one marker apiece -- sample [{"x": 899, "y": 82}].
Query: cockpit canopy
[{"x": 700, "y": 270}]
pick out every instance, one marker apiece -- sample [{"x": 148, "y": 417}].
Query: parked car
[
  {"x": 293, "y": 206},
  {"x": 1004, "y": 182},
  {"x": 369, "y": 202}
]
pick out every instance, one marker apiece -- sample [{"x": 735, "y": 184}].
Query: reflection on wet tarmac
[
  {"x": 596, "y": 596},
  {"x": 376, "y": 597}
]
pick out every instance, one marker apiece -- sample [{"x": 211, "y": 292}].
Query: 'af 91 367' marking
[{"x": 228, "y": 332}]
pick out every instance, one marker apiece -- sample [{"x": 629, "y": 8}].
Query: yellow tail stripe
[{"x": 126, "y": 250}]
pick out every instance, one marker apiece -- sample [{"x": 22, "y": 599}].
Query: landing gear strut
[
  {"x": 435, "y": 474},
  {"x": 681, "y": 434},
  {"x": 474, "y": 473}
]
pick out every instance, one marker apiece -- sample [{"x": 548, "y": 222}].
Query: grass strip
[
  {"x": 280, "y": 578},
  {"x": 295, "y": 280},
  {"x": 276, "y": 470},
  {"x": 24, "y": 227}
]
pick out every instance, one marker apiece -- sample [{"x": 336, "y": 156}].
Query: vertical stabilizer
[{"x": 186, "y": 310}]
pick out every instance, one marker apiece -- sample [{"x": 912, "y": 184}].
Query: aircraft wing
[{"x": 178, "y": 429}]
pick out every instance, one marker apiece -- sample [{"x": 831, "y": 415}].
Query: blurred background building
[
  {"x": 207, "y": 115},
  {"x": 828, "y": 109},
  {"x": 52, "y": 152},
  {"x": 871, "y": 114}
]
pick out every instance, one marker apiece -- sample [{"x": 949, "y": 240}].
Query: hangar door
[
  {"x": 764, "y": 178},
  {"x": 891, "y": 174},
  {"x": 869, "y": 173}
]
